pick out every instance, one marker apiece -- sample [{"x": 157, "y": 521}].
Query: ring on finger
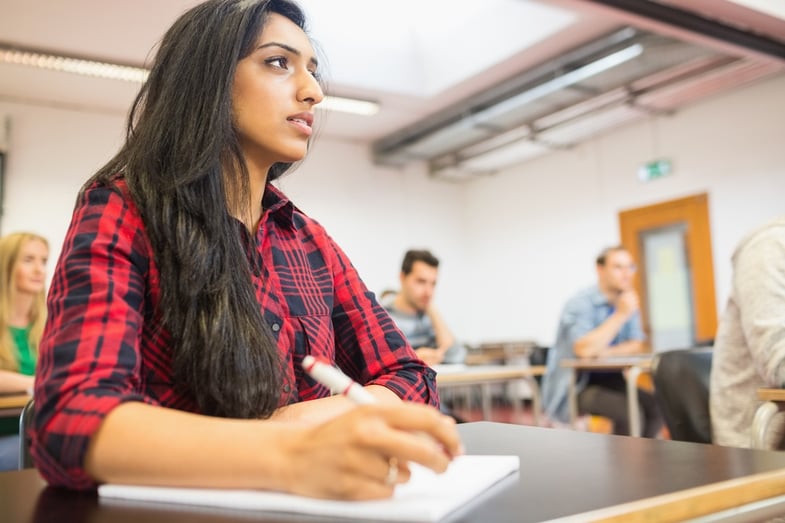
[{"x": 392, "y": 472}]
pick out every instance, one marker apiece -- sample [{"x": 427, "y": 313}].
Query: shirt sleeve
[
  {"x": 578, "y": 318},
  {"x": 89, "y": 358},
  {"x": 635, "y": 328},
  {"x": 369, "y": 347},
  {"x": 759, "y": 286}
]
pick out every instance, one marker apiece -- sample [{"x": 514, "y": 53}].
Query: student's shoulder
[
  {"x": 762, "y": 236},
  {"x": 104, "y": 202},
  {"x": 100, "y": 192},
  {"x": 585, "y": 298}
]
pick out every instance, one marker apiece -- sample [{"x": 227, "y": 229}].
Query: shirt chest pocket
[
  {"x": 306, "y": 285},
  {"x": 313, "y": 335}
]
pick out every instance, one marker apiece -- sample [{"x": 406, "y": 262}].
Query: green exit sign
[{"x": 654, "y": 170}]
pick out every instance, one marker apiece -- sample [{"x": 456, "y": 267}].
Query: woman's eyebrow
[{"x": 289, "y": 48}]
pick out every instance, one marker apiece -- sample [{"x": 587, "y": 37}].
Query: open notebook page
[{"x": 426, "y": 497}]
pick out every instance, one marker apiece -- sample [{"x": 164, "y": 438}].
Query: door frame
[{"x": 694, "y": 212}]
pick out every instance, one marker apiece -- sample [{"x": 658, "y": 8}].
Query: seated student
[
  {"x": 600, "y": 321},
  {"x": 23, "y": 258},
  {"x": 416, "y": 316},
  {"x": 749, "y": 350},
  {"x": 189, "y": 290}
]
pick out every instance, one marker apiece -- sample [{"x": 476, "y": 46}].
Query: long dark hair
[{"x": 181, "y": 141}]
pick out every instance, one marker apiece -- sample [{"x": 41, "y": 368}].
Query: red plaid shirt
[{"x": 102, "y": 344}]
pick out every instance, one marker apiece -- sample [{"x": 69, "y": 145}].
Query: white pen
[
  {"x": 339, "y": 383},
  {"x": 334, "y": 379}
]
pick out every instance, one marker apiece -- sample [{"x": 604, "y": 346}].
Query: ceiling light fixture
[
  {"x": 560, "y": 82},
  {"x": 349, "y": 105},
  {"x": 68, "y": 64},
  {"x": 15, "y": 55}
]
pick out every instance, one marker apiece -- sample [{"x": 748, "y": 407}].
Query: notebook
[{"x": 426, "y": 497}]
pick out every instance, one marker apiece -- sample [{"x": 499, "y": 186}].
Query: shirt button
[
  {"x": 276, "y": 327},
  {"x": 287, "y": 389}
]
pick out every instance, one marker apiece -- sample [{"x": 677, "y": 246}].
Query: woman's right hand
[{"x": 350, "y": 456}]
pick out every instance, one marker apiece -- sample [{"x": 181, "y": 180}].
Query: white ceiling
[{"x": 416, "y": 57}]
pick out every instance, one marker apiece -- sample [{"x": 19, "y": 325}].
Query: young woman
[
  {"x": 189, "y": 290},
  {"x": 23, "y": 258}
]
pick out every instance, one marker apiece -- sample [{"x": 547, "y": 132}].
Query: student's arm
[
  {"x": 625, "y": 348},
  {"x": 89, "y": 359},
  {"x": 322, "y": 409},
  {"x": 14, "y": 382},
  {"x": 347, "y": 457},
  {"x": 441, "y": 333},
  {"x": 596, "y": 343},
  {"x": 759, "y": 287},
  {"x": 369, "y": 347},
  {"x": 444, "y": 338}
]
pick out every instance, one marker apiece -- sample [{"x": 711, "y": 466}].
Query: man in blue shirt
[{"x": 600, "y": 322}]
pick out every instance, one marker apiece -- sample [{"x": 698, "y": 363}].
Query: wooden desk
[
  {"x": 773, "y": 402},
  {"x": 11, "y": 406},
  {"x": 578, "y": 476},
  {"x": 485, "y": 375},
  {"x": 631, "y": 368},
  {"x": 500, "y": 352}
]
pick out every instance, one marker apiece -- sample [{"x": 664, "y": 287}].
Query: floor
[{"x": 503, "y": 412}]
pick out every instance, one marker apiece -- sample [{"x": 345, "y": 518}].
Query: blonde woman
[{"x": 23, "y": 258}]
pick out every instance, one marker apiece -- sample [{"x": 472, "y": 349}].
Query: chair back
[
  {"x": 25, "y": 422},
  {"x": 681, "y": 386}
]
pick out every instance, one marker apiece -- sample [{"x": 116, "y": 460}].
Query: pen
[
  {"x": 339, "y": 383},
  {"x": 334, "y": 379}
]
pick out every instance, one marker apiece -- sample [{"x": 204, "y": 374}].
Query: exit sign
[{"x": 653, "y": 170}]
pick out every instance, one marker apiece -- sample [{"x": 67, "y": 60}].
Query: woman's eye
[{"x": 278, "y": 61}]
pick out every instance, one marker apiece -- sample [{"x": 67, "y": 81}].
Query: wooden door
[{"x": 690, "y": 217}]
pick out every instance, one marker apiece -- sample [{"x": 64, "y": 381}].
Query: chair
[
  {"x": 681, "y": 386},
  {"x": 25, "y": 422}
]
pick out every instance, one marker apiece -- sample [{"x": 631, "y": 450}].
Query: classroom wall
[
  {"x": 51, "y": 152},
  {"x": 536, "y": 229},
  {"x": 514, "y": 246}
]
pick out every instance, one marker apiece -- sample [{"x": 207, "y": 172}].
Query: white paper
[{"x": 426, "y": 497}]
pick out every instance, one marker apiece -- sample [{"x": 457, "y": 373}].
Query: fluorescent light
[
  {"x": 517, "y": 145},
  {"x": 560, "y": 82},
  {"x": 470, "y": 132},
  {"x": 505, "y": 156},
  {"x": 129, "y": 73},
  {"x": 67, "y": 64},
  {"x": 446, "y": 138},
  {"x": 590, "y": 125},
  {"x": 501, "y": 140},
  {"x": 349, "y": 105},
  {"x": 457, "y": 173}
]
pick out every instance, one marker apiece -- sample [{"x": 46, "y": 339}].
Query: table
[
  {"x": 499, "y": 352},
  {"x": 565, "y": 476},
  {"x": 485, "y": 375},
  {"x": 773, "y": 402},
  {"x": 12, "y": 405},
  {"x": 631, "y": 367}
]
